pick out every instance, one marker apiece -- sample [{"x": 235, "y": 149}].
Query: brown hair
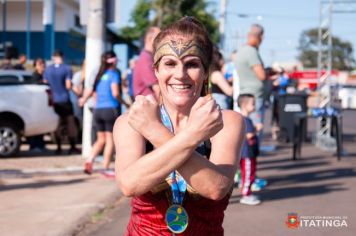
[
  {"x": 216, "y": 60},
  {"x": 189, "y": 28},
  {"x": 103, "y": 66},
  {"x": 243, "y": 98}
]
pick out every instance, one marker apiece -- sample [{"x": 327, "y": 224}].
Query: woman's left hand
[{"x": 144, "y": 114}]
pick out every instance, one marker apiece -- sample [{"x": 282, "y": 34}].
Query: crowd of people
[{"x": 178, "y": 138}]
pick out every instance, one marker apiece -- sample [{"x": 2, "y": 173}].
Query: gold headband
[{"x": 180, "y": 49}]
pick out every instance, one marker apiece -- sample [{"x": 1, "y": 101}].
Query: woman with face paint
[{"x": 177, "y": 157}]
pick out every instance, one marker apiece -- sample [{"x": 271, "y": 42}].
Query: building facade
[{"x": 65, "y": 31}]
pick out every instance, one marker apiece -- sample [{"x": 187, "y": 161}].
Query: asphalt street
[{"x": 315, "y": 186}]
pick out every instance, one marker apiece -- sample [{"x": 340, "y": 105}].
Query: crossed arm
[{"x": 137, "y": 172}]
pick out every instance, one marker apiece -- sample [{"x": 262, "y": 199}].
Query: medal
[
  {"x": 176, "y": 215},
  {"x": 176, "y": 219}
]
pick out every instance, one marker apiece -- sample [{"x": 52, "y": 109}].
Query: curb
[
  {"x": 28, "y": 173},
  {"x": 81, "y": 223}
]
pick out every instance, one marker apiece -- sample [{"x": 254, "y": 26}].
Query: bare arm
[
  {"x": 87, "y": 94},
  {"x": 68, "y": 84},
  {"x": 260, "y": 71},
  {"x": 213, "y": 178},
  {"x": 78, "y": 90},
  {"x": 210, "y": 178},
  {"x": 116, "y": 93},
  {"x": 145, "y": 171},
  {"x": 218, "y": 79}
]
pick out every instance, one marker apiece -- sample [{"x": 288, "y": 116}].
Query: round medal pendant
[{"x": 176, "y": 219}]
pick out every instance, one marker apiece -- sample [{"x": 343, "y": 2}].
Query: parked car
[{"x": 26, "y": 109}]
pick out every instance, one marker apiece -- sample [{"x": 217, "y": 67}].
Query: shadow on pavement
[
  {"x": 263, "y": 161},
  {"x": 315, "y": 176},
  {"x": 278, "y": 192},
  {"x": 293, "y": 192},
  {"x": 40, "y": 184},
  {"x": 295, "y": 165}
]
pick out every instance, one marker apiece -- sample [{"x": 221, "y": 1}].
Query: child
[{"x": 249, "y": 152}]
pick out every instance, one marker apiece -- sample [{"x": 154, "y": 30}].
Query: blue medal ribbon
[{"x": 178, "y": 186}]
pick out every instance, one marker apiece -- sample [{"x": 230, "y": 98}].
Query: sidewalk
[
  {"x": 29, "y": 164},
  {"x": 49, "y": 195}
]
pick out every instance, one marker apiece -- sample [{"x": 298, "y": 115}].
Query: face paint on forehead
[{"x": 180, "y": 49}]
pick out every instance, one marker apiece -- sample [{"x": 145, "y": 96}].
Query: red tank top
[{"x": 148, "y": 214}]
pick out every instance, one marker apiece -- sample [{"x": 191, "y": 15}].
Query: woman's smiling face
[{"x": 180, "y": 80}]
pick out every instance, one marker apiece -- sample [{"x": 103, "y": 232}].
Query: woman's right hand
[
  {"x": 205, "y": 119},
  {"x": 144, "y": 115}
]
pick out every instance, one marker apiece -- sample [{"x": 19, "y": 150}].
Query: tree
[
  {"x": 165, "y": 12},
  {"x": 342, "y": 51},
  {"x": 140, "y": 17}
]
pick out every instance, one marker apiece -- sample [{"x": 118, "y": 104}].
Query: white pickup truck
[{"x": 25, "y": 110}]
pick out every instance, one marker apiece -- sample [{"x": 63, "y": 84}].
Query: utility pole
[
  {"x": 49, "y": 22},
  {"x": 222, "y": 24},
  {"x": 327, "y": 86},
  {"x": 93, "y": 49}
]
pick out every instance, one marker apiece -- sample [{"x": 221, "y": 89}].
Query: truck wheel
[{"x": 9, "y": 140}]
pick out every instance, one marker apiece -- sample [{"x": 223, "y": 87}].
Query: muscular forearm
[
  {"x": 208, "y": 179},
  {"x": 154, "y": 167}
]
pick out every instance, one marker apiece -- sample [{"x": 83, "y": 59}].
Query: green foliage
[
  {"x": 140, "y": 17},
  {"x": 342, "y": 51},
  {"x": 166, "y": 12}
]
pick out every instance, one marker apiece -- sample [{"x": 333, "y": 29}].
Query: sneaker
[
  {"x": 251, "y": 200},
  {"x": 255, "y": 187},
  {"x": 258, "y": 185},
  {"x": 110, "y": 174},
  {"x": 261, "y": 182},
  {"x": 88, "y": 168}
]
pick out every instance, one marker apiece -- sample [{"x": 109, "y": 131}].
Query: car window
[{"x": 9, "y": 79}]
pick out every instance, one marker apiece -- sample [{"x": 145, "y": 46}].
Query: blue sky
[{"x": 283, "y": 21}]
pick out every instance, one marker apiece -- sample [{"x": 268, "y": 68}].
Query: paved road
[
  {"x": 46, "y": 194},
  {"x": 52, "y": 205},
  {"x": 315, "y": 185}
]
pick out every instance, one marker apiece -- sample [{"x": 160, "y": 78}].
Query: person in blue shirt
[
  {"x": 107, "y": 109},
  {"x": 59, "y": 77},
  {"x": 250, "y": 151}
]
